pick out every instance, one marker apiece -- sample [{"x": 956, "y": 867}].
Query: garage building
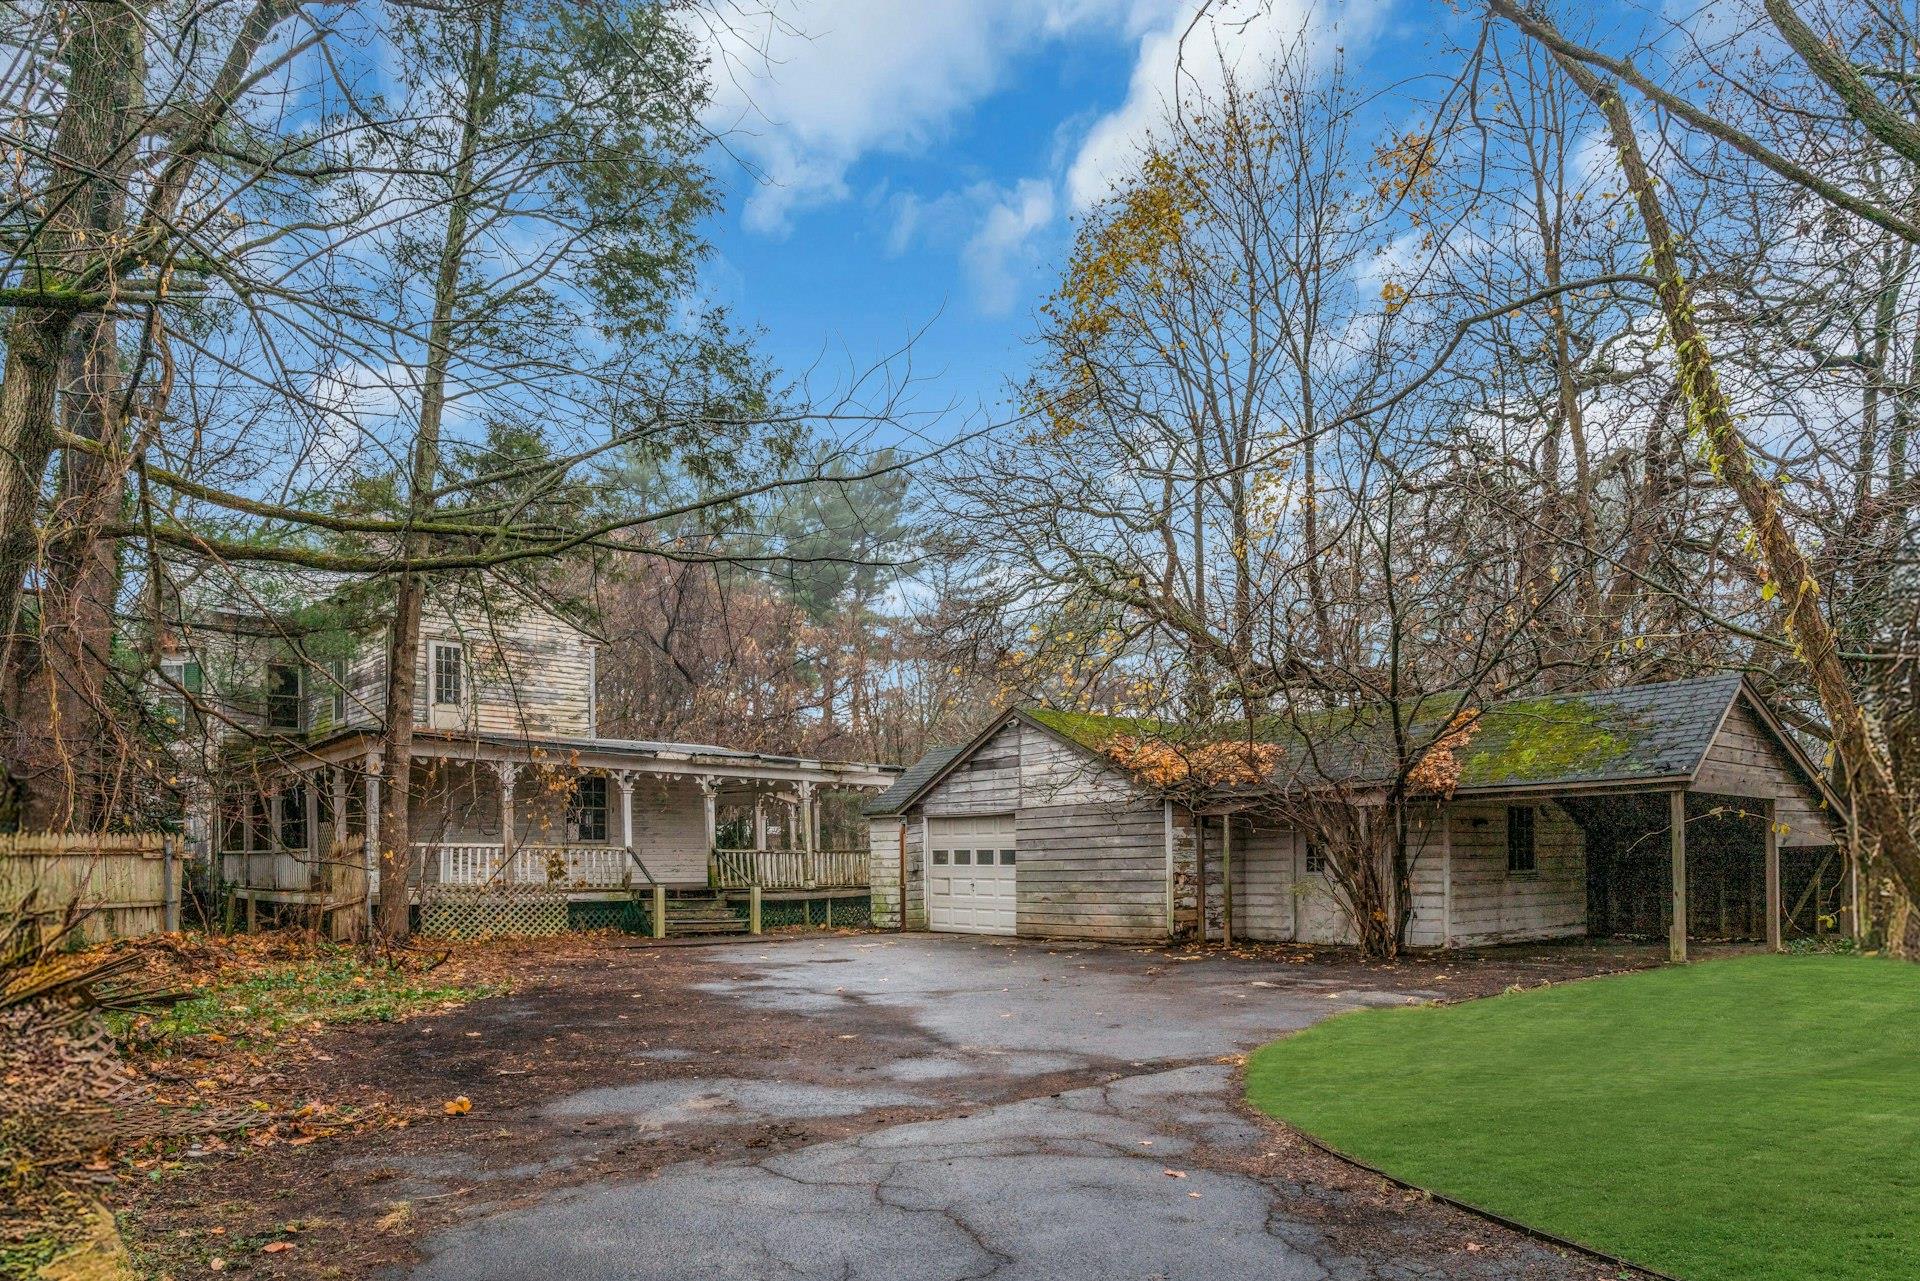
[{"x": 1563, "y": 823}]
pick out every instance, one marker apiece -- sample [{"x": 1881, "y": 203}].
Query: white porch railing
[
  {"x": 582, "y": 867},
  {"x": 790, "y": 869},
  {"x": 608, "y": 867}
]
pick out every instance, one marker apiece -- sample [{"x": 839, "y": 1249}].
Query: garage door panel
[{"x": 970, "y": 874}]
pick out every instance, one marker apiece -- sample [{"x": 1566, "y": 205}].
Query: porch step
[{"x": 702, "y": 916}]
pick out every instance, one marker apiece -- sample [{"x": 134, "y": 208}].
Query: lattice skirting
[{"x": 492, "y": 911}]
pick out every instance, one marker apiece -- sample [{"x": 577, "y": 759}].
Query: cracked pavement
[{"x": 1014, "y": 1110}]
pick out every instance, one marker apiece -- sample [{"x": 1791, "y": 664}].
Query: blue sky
[{"x": 919, "y": 162}]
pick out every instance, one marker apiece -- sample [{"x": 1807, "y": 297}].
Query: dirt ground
[{"x": 600, "y": 1013}]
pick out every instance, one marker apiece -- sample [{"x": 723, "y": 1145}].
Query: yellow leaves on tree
[
  {"x": 1407, "y": 167},
  {"x": 1439, "y": 769},
  {"x": 1174, "y": 766}
]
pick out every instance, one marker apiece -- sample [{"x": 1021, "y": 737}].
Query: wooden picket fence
[{"x": 123, "y": 885}]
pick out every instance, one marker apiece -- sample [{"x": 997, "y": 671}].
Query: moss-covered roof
[{"x": 1593, "y": 736}]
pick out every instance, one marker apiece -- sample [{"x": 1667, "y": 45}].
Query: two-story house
[{"x": 511, "y": 783}]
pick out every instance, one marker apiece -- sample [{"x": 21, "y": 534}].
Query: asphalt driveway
[{"x": 943, "y": 1107}]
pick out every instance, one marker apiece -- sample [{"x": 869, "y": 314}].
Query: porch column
[
  {"x": 1774, "y": 942},
  {"x": 759, "y": 821},
  {"x": 371, "y": 849},
  {"x": 709, "y": 808},
  {"x": 310, "y": 797},
  {"x": 807, "y": 817},
  {"x": 1677, "y": 835},
  {"x": 507, "y": 772},
  {"x": 624, "y": 779},
  {"x": 337, "y": 777}
]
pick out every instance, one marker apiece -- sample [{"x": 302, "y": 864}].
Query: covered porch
[{"x": 594, "y": 819}]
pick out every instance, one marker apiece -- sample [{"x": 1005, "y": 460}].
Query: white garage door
[{"x": 970, "y": 867}]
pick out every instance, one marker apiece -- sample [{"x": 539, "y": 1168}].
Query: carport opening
[{"x": 1630, "y": 877}]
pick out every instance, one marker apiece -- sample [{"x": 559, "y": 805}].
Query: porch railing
[
  {"x": 610, "y": 867},
  {"x": 790, "y": 869},
  {"x": 586, "y": 867}
]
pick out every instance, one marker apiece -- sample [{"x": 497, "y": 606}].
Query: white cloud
[
  {"x": 1001, "y": 251},
  {"x": 830, "y": 81},
  {"x": 1179, "y": 56}
]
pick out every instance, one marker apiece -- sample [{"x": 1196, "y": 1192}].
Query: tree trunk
[
  {"x": 403, "y": 638},
  {"x": 1862, "y": 768}
]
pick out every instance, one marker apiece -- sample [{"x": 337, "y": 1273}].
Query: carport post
[
  {"x": 1677, "y": 831},
  {"x": 1773, "y": 882},
  {"x": 659, "y": 911},
  {"x": 753, "y": 909}
]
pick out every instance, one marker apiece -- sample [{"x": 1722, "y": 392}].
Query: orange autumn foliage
[
  {"x": 1169, "y": 766},
  {"x": 1439, "y": 770}
]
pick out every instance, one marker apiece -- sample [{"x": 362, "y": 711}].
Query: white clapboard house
[
  {"x": 512, "y": 782},
  {"x": 1583, "y": 813}
]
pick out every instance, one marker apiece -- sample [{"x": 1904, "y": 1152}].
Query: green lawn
[{"x": 1737, "y": 1120}]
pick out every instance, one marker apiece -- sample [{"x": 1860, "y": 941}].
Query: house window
[
  {"x": 449, "y": 675},
  {"x": 283, "y": 696},
  {"x": 587, "y": 815},
  {"x": 337, "y": 672},
  {"x": 293, "y": 819},
  {"x": 1521, "y": 856},
  {"x": 177, "y": 675},
  {"x": 1316, "y": 857}
]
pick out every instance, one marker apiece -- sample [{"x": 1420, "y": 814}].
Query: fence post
[
  {"x": 753, "y": 909},
  {"x": 170, "y": 891},
  {"x": 659, "y": 911}
]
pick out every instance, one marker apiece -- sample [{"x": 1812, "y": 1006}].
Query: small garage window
[
  {"x": 939, "y": 858},
  {"x": 962, "y": 857},
  {"x": 1522, "y": 858},
  {"x": 1006, "y": 858}
]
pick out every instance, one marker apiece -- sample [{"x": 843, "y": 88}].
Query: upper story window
[
  {"x": 1316, "y": 857},
  {"x": 337, "y": 674},
  {"x": 1522, "y": 858},
  {"x": 177, "y": 675},
  {"x": 283, "y": 696},
  {"x": 449, "y": 669}
]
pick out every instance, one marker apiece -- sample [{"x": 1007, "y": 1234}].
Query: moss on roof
[
  {"x": 1538, "y": 740},
  {"x": 1609, "y": 735}
]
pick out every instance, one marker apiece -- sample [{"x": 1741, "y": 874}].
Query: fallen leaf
[
  {"x": 217, "y": 1264},
  {"x": 276, "y": 1247},
  {"x": 458, "y": 1107},
  {"x": 1175, "y": 1174}
]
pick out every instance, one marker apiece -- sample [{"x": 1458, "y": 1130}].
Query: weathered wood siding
[
  {"x": 1263, "y": 879},
  {"x": 528, "y": 672},
  {"x": 1094, "y": 871},
  {"x": 1427, "y": 848},
  {"x": 986, "y": 782},
  {"x": 1490, "y": 906},
  {"x": 1092, "y": 848},
  {"x": 1746, "y": 760},
  {"x": 884, "y": 837}
]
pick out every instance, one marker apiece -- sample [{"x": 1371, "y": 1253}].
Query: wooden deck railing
[{"x": 790, "y": 869}]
